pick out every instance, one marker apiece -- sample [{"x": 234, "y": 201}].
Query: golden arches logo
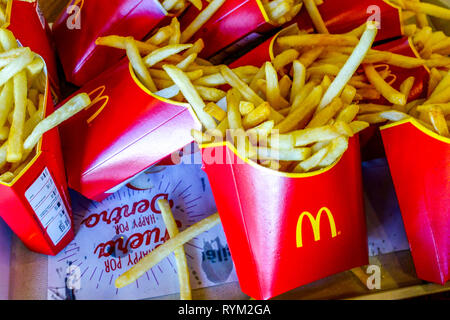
[
  {"x": 315, "y": 224},
  {"x": 100, "y": 97}
]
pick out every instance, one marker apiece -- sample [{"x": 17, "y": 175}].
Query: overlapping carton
[
  {"x": 127, "y": 130},
  {"x": 242, "y": 21},
  {"x": 83, "y": 21},
  {"x": 36, "y": 204},
  {"x": 419, "y": 161},
  {"x": 286, "y": 230}
]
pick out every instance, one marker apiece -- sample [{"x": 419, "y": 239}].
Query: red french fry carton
[
  {"x": 241, "y": 22},
  {"x": 127, "y": 130},
  {"x": 419, "y": 161},
  {"x": 36, "y": 204},
  {"x": 25, "y": 20},
  {"x": 286, "y": 230},
  {"x": 83, "y": 21},
  {"x": 341, "y": 16}
]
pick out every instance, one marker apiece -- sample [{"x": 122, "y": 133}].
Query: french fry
[
  {"x": 191, "y": 95},
  {"x": 351, "y": 65},
  {"x": 15, "y": 140},
  {"x": 285, "y": 58},
  {"x": 427, "y": 8},
  {"x": 154, "y": 257},
  {"x": 299, "y": 79},
  {"x": 17, "y": 65},
  {"x": 234, "y": 115},
  {"x": 180, "y": 255},
  {"x": 392, "y": 95},
  {"x": 6, "y": 102},
  {"x": 200, "y": 20},
  {"x": 348, "y": 113},
  {"x": 234, "y": 81},
  {"x": 273, "y": 89},
  {"x": 298, "y": 41},
  {"x": 7, "y": 40},
  {"x": 295, "y": 154},
  {"x": 138, "y": 65},
  {"x": 257, "y": 116},
  {"x": 299, "y": 115},
  {"x": 316, "y": 18},
  {"x": 215, "y": 111},
  {"x": 309, "y": 136},
  {"x": 337, "y": 148},
  {"x": 69, "y": 109},
  {"x": 358, "y": 126},
  {"x": 246, "y": 107},
  {"x": 438, "y": 121},
  {"x": 313, "y": 161},
  {"x": 323, "y": 116},
  {"x": 163, "y": 53}
]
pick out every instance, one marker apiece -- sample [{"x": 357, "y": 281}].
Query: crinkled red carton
[
  {"x": 83, "y": 21},
  {"x": 26, "y": 21},
  {"x": 286, "y": 230},
  {"x": 237, "y": 21},
  {"x": 127, "y": 130},
  {"x": 419, "y": 161},
  {"x": 36, "y": 204}
]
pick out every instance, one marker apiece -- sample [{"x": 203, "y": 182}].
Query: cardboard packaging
[
  {"x": 127, "y": 130},
  {"x": 244, "y": 21},
  {"x": 419, "y": 161},
  {"x": 83, "y": 21},
  {"x": 26, "y": 21},
  {"x": 286, "y": 230},
  {"x": 36, "y": 204}
]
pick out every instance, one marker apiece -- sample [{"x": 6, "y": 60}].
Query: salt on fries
[
  {"x": 22, "y": 106},
  {"x": 157, "y": 255},
  {"x": 180, "y": 255}
]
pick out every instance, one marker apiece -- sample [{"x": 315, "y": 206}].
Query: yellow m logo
[
  {"x": 315, "y": 224},
  {"x": 95, "y": 100}
]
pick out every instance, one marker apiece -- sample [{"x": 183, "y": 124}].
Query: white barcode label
[{"x": 49, "y": 207}]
